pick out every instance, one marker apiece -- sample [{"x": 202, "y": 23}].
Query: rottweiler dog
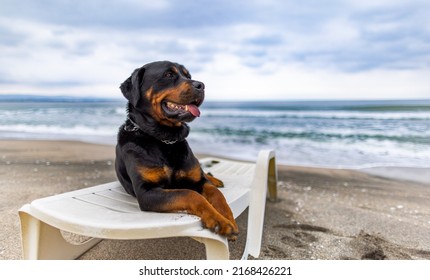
[{"x": 154, "y": 162}]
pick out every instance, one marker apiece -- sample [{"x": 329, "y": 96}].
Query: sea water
[{"x": 347, "y": 134}]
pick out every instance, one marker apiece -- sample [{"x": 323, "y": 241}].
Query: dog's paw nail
[{"x": 232, "y": 238}]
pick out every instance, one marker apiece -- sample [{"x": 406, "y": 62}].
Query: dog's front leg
[
  {"x": 217, "y": 199},
  {"x": 189, "y": 201}
]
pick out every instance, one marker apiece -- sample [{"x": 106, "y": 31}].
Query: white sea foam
[
  {"x": 59, "y": 130},
  {"x": 335, "y": 114}
]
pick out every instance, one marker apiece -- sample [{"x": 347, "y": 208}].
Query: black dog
[{"x": 153, "y": 160}]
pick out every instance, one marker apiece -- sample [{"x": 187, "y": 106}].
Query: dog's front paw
[
  {"x": 214, "y": 181},
  {"x": 222, "y": 226}
]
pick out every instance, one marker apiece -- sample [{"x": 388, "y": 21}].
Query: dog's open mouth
[{"x": 182, "y": 109}]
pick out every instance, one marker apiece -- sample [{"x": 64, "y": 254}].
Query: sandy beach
[{"x": 320, "y": 213}]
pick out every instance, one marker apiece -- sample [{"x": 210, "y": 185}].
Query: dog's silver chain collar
[
  {"x": 168, "y": 142},
  {"x": 136, "y": 128}
]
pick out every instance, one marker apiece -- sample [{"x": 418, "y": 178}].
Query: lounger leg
[
  {"x": 215, "y": 249},
  {"x": 272, "y": 179},
  {"x": 44, "y": 242}
]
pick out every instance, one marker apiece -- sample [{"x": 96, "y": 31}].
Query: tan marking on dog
[
  {"x": 186, "y": 72},
  {"x": 194, "y": 174},
  {"x": 154, "y": 174},
  {"x": 148, "y": 94},
  {"x": 174, "y": 69}
]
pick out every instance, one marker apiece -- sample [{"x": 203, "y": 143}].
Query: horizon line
[{"x": 71, "y": 98}]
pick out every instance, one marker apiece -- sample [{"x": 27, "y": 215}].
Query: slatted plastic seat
[{"x": 108, "y": 212}]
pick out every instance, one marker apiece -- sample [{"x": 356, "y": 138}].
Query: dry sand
[{"x": 320, "y": 213}]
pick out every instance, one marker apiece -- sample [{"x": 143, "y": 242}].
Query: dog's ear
[{"x": 130, "y": 88}]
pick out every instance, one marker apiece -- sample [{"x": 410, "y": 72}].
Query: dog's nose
[{"x": 198, "y": 85}]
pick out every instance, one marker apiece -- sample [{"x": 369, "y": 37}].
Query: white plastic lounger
[{"x": 108, "y": 212}]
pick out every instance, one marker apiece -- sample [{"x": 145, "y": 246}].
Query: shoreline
[
  {"x": 395, "y": 171},
  {"x": 321, "y": 213},
  {"x": 414, "y": 174}
]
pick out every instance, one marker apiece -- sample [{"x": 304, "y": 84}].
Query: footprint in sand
[
  {"x": 299, "y": 239},
  {"x": 299, "y": 235}
]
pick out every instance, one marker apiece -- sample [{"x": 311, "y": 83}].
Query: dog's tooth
[{"x": 175, "y": 106}]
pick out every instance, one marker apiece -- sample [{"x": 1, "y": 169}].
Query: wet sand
[{"x": 320, "y": 213}]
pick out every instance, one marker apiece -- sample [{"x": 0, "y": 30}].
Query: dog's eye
[{"x": 168, "y": 75}]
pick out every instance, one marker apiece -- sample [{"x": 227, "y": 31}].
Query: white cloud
[
  {"x": 61, "y": 60},
  {"x": 366, "y": 5},
  {"x": 339, "y": 31},
  {"x": 227, "y": 79},
  {"x": 353, "y": 49}
]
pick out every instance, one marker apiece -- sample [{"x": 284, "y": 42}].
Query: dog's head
[{"x": 165, "y": 92}]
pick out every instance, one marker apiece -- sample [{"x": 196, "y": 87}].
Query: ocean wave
[
  {"x": 336, "y": 115},
  {"x": 59, "y": 130},
  {"x": 311, "y": 153},
  {"x": 347, "y": 134},
  {"x": 315, "y": 134}
]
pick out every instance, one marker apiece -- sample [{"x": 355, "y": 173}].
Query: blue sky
[{"x": 255, "y": 49}]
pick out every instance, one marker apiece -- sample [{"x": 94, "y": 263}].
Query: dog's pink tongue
[{"x": 193, "y": 110}]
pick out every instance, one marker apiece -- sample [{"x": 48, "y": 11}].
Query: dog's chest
[
  {"x": 169, "y": 177},
  {"x": 175, "y": 168}
]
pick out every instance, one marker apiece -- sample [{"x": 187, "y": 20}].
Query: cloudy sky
[{"x": 254, "y": 49}]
